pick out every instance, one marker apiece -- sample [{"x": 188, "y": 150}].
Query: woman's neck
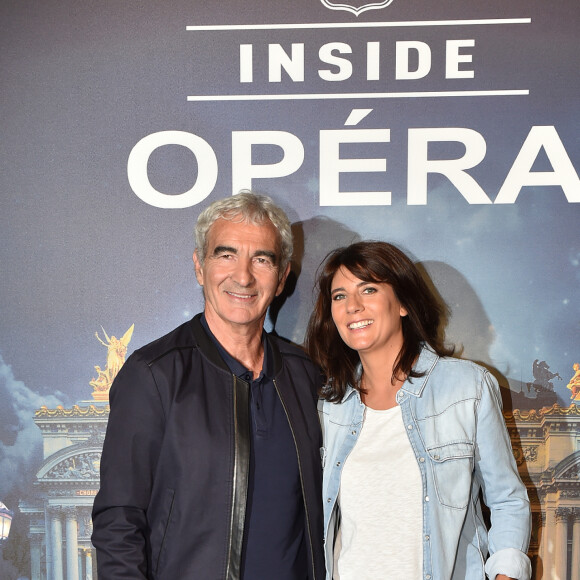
[{"x": 377, "y": 380}]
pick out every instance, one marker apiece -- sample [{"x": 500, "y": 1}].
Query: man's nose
[{"x": 243, "y": 274}]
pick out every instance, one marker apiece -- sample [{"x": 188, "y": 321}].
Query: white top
[{"x": 380, "y": 499}]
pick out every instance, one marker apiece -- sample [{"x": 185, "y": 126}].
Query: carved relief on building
[
  {"x": 75, "y": 463},
  {"x": 528, "y": 454}
]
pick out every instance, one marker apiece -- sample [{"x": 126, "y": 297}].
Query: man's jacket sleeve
[{"x": 131, "y": 449}]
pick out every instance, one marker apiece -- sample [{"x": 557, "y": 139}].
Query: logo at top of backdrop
[{"x": 355, "y": 7}]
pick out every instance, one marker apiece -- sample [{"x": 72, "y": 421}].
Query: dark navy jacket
[{"x": 174, "y": 469}]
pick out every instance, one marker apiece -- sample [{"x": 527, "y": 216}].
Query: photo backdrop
[{"x": 448, "y": 128}]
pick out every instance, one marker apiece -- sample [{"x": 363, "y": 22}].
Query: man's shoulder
[
  {"x": 180, "y": 338},
  {"x": 288, "y": 348},
  {"x": 293, "y": 354}
]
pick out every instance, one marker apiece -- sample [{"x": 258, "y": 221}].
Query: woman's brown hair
[{"x": 383, "y": 263}]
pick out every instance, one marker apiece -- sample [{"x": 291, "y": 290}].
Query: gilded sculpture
[{"x": 116, "y": 352}]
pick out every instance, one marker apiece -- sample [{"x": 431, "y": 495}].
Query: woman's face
[{"x": 367, "y": 315}]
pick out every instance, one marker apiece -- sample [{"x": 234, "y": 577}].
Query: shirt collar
[{"x": 235, "y": 365}]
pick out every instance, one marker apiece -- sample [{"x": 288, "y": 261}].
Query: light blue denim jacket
[{"x": 454, "y": 422}]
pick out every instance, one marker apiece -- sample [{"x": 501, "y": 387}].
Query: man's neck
[{"x": 242, "y": 341}]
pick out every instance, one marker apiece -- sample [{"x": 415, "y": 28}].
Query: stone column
[
  {"x": 88, "y": 564},
  {"x": 561, "y": 554},
  {"x": 548, "y": 545},
  {"x": 35, "y": 556},
  {"x": 55, "y": 540},
  {"x": 72, "y": 544},
  {"x": 575, "y": 544},
  {"x": 538, "y": 535}
]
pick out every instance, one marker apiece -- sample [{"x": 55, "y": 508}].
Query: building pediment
[{"x": 77, "y": 463}]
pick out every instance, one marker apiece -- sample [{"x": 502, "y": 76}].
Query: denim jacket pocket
[{"x": 452, "y": 466}]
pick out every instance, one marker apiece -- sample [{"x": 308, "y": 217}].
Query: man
[{"x": 211, "y": 462}]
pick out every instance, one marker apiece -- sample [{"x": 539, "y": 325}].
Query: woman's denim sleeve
[{"x": 503, "y": 490}]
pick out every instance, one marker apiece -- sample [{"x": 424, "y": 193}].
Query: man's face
[{"x": 241, "y": 273}]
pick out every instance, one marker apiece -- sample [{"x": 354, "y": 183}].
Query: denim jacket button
[
  {"x": 422, "y": 459},
  {"x": 409, "y": 427},
  {"x": 426, "y": 498}
]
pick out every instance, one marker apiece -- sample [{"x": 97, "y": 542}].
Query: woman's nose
[{"x": 353, "y": 304}]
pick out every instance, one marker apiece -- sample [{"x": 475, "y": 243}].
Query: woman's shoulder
[
  {"x": 460, "y": 365},
  {"x": 464, "y": 374}
]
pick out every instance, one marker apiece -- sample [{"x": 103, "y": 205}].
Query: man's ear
[
  {"x": 198, "y": 269},
  {"x": 283, "y": 280}
]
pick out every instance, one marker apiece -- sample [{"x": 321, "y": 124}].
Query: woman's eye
[
  {"x": 338, "y": 297},
  {"x": 369, "y": 290}
]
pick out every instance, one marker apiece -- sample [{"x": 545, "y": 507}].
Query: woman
[{"x": 410, "y": 434}]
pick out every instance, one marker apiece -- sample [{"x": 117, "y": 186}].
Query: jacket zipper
[
  {"x": 234, "y": 479},
  {"x": 301, "y": 481}
]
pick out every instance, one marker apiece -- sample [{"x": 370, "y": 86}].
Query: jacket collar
[
  {"x": 425, "y": 364},
  {"x": 211, "y": 351},
  {"x": 414, "y": 386},
  {"x": 350, "y": 390}
]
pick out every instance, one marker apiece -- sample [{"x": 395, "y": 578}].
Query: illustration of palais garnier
[
  {"x": 68, "y": 479},
  {"x": 546, "y": 445}
]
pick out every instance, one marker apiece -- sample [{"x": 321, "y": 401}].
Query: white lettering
[
  {"x": 246, "y": 165},
  {"x": 344, "y": 66},
  {"x": 332, "y": 165},
  {"x": 278, "y": 59},
  {"x": 246, "y": 63},
  {"x": 402, "y": 66},
  {"x": 413, "y": 60},
  {"x": 453, "y": 58},
  {"x": 419, "y": 165},
  {"x": 521, "y": 173},
  {"x": 373, "y": 61},
  {"x": 139, "y": 180},
  {"x": 244, "y": 171}
]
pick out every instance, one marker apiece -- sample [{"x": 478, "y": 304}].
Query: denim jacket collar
[
  {"x": 413, "y": 386},
  {"x": 425, "y": 364}
]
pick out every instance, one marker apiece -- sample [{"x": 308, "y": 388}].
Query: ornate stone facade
[
  {"x": 65, "y": 486},
  {"x": 546, "y": 446}
]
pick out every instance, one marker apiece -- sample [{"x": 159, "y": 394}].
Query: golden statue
[
  {"x": 116, "y": 352},
  {"x": 574, "y": 384}
]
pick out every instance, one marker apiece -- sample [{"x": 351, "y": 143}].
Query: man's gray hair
[{"x": 249, "y": 207}]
